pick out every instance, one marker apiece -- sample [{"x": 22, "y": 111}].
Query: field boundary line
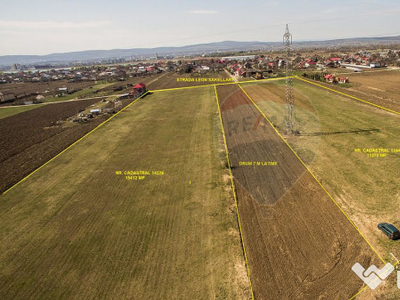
[
  {"x": 70, "y": 146},
  {"x": 320, "y": 184},
  {"x": 364, "y": 288},
  {"x": 234, "y": 192},
  {"x": 217, "y": 84},
  {"x": 350, "y": 96},
  {"x": 182, "y": 88},
  {"x": 359, "y": 292}
]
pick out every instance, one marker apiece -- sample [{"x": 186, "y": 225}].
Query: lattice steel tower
[{"x": 289, "y": 118}]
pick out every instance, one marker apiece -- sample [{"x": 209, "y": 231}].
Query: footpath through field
[{"x": 299, "y": 244}]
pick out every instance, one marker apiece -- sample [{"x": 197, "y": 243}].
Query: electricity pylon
[{"x": 289, "y": 95}]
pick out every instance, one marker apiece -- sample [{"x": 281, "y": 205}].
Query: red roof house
[
  {"x": 329, "y": 78},
  {"x": 309, "y": 63},
  {"x": 139, "y": 86},
  {"x": 343, "y": 79},
  {"x": 138, "y": 89}
]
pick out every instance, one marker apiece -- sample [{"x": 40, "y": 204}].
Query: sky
[{"x": 55, "y": 26}]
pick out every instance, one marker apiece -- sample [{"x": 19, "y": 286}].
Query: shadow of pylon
[{"x": 357, "y": 131}]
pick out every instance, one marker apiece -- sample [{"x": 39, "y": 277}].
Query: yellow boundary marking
[
  {"x": 217, "y": 84},
  {"x": 227, "y": 155},
  {"x": 76, "y": 142},
  {"x": 359, "y": 292},
  {"x": 234, "y": 192},
  {"x": 347, "y": 95},
  {"x": 287, "y": 144}
]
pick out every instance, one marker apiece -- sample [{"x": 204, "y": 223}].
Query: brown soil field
[
  {"x": 379, "y": 87},
  {"x": 170, "y": 80},
  {"x": 31, "y": 138},
  {"x": 299, "y": 244}
]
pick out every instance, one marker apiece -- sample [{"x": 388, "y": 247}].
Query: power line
[{"x": 289, "y": 96}]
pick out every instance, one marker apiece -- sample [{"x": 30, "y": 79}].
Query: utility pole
[{"x": 289, "y": 95}]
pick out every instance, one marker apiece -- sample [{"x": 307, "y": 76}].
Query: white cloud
[
  {"x": 50, "y": 24},
  {"x": 204, "y": 12}
]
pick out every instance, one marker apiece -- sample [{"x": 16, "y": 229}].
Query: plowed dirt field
[
  {"x": 31, "y": 138},
  {"x": 299, "y": 244}
]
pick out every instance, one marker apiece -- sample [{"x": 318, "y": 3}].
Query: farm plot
[
  {"x": 31, "y": 138},
  {"x": 28, "y": 88},
  {"x": 12, "y": 110},
  {"x": 41, "y": 87},
  {"x": 79, "y": 89},
  {"x": 126, "y": 85},
  {"x": 299, "y": 244},
  {"x": 79, "y": 229},
  {"x": 331, "y": 128},
  {"x": 379, "y": 87}
]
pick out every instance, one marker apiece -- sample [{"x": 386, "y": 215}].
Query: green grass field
[
  {"x": 84, "y": 93},
  {"x": 331, "y": 128},
  {"x": 77, "y": 230},
  {"x": 11, "y": 111}
]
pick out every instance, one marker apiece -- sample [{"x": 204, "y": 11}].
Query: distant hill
[
  {"x": 92, "y": 55},
  {"x": 352, "y": 42}
]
